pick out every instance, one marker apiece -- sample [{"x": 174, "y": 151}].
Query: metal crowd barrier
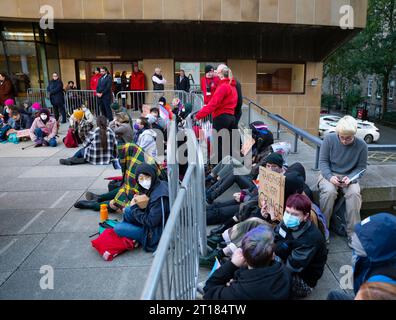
[
  {"x": 38, "y": 95},
  {"x": 302, "y": 134},
  {"x": 175, "y": 269},
  {"x": 74, "y": 99},
  {"x": 136, "y": 99}
]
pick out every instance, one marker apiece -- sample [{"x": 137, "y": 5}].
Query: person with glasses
[{"x": 343, "y": 156}]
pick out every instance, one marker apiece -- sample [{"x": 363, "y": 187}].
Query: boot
[
  {"x": 214, "y": 240},
  {"x": 75, "y": 160},
  {"x": 39, "y": 143},
  {"x": 209, "y": 260},
  {"x": 91, "y": 196},
  {"x": 66, "y": 162},
  {"x": 85, "y": 204}
]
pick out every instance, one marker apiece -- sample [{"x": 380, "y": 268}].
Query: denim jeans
[
  {"x": 79, "y": 153},
  {"x": 40, "y": 135},
  {"x": 129, "y": 230}
]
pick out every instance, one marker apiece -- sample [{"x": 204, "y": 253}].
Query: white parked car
[{"x": 366, "y": 130}]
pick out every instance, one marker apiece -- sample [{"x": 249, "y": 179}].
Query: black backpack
[{"x": 337, "y": 221}]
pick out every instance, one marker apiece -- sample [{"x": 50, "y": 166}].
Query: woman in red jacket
[
  {"x": 137, "y": 84},
  {"x": 222, "y": 106},
  {"x": 209, "y": 84},
  {"x": 94, "y": 80}
]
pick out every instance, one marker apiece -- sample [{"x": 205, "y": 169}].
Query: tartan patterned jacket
[
  {"x": 131, "y": 156},
  {"x": 94, "y": 153}
]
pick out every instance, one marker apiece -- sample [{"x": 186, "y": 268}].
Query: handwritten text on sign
[{"x": 272, "y": 191}]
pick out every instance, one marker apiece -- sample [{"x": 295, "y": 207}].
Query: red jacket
[
  {"x": 137, "y": 81},
  {"x": 223, "y": 101},
  {"x": 94, "y": 81},
  {"x": 213, "y": 83}
]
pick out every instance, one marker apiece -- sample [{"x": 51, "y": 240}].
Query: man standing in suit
[
  {"x": 182, "y": 82},
  {"x": 104, "y": 94}
]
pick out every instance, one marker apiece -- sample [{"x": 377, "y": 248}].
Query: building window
[
  {"x": 370, "y": 88},
  {"x": 378, "y": 94},
  {"x": 280, "y": 78},
  {"x": 391, "y": 90}
]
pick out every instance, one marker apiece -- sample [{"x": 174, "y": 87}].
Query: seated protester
[
  {"x": 252, "y": 273},
  {"x": 145, "y": 223},
  {"x": 35, "y": 110},
  {"x": 44, "y": 129},
  {"x": 162, "y": 103},
  {"x": 180, "y": 111},
  {"x": 21, "y": 121},
  {"x": 373, "y": 252},
  {"x": 83, "y": 121},
  {"x": 274, "y": 161},
  {"x": 6, "y": 111},
  {"x": 222, "y": 212},
  {"x": 122, "y": 128},
  {"x": 157, "y": 121},
  {"x": 262, "y": 139},
  {"x": 130, "y": 156},
  {"x": 232, "y": 232},
  {"x": 300, "y": 245},
  {"x": 145, "y": 136},
  {"x": 100, "y": 147}
]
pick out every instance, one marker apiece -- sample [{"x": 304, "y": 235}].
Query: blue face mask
[
  {"x": 136, "y": 126},
  {"x": 290, "y": 221}
]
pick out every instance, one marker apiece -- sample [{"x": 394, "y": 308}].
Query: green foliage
[{"x": 372, "y": 51}]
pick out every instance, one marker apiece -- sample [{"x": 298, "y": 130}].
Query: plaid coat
[
  {"x": 94, "y": 153},
  {"x": 131, "y": 156}
]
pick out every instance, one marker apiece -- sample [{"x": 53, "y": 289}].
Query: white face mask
[
  {"x": 146, "y": 184},
  {"x": 43, "y": 117},
  {"x": 84, "y": 109}
]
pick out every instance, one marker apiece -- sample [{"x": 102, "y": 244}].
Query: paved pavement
[{"x": 40, "y": 227}]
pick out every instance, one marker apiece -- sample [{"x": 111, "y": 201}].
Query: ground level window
[{"x": 280, "y": 78}]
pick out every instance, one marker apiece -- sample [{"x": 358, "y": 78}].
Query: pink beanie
[
  {"x": 9, "y": 102},
  {"x": 36, "y": 106}
]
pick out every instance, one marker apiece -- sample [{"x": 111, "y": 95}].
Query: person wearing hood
[
  {"x": 373, "y": 253},
  {"x": 131, "y": 156},
  {"x": 233, "y": 230},
  {"x": 300, "y": 245},
  {"x": 82, "y": 121},
  {"x": 145, "y": 137},
  {"x": 222, "y": 106},
  {"x": 145, "y": 223},
  {"x": 44, "y": 129},
  {"x": 252, "y": 273}
]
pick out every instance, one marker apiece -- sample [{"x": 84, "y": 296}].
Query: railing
[
  {"x": 38, "y": 95},
  {"x": 174, "y": 272},
  {"x": 302, "y": 134},
  {"x": 74, "y": 99}
]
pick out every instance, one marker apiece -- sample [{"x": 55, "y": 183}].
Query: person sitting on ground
[
  {"x": 300, "y": 245},
  {"x": 35, "y": 110},
  {"x": 342, "y": 156},
  {"x": 6, "y": 111},
  {"x": 252, "y": 273},
  {"x": 84, "y": 123},
  {"x": 144, "y": 219},
  {"x": 100, "y": 147},
  {"x": 159, "y": 123},
  {"x": 166, "y": 107},
  {"x": 228, "y": 237},
  {"x": 122, "y": 128},
  {"x": 130, "y": 156},
  {"x": 180, "y": 111},
  {"x": 44, "y": 129},
  {"x": 373, "y": 253},
  {"x": 21, "y": 121},
  {"x": 145, "y": 137}
]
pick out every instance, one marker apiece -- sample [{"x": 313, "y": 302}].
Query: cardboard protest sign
[
  {"x": 272, "y": 192},
  {"x": 23, "y": 133}
]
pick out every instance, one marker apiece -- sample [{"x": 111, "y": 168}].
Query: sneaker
[{"x": 91, "y": 196}]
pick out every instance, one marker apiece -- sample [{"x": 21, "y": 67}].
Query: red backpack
[
  {"x": 70, "y": 141},
  {"x": 110, "y": 245}
]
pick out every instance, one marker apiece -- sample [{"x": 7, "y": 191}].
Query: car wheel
[{"x": 369, "y": 139}]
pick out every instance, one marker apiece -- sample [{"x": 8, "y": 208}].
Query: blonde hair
[
  {"x": 347, "y": 126},
  {"x": 122, "y": 117},
  {"x": 376, "y": 291}
]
